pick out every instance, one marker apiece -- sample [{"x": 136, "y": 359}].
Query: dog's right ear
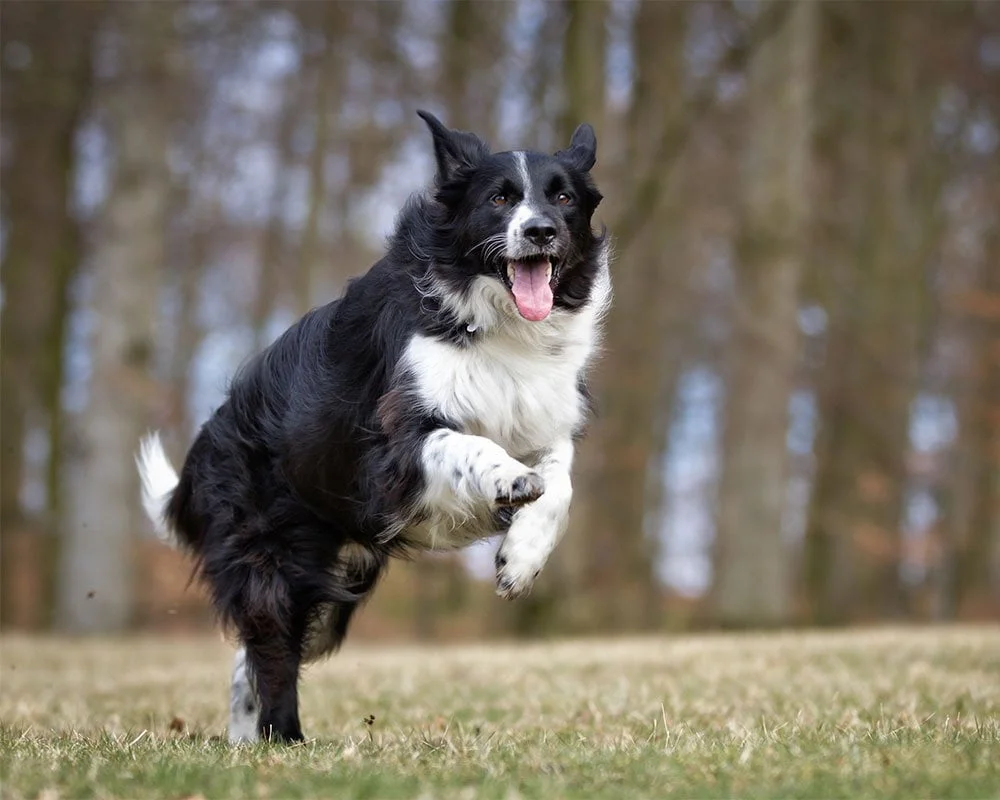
[{"x": 454, "y": 150}]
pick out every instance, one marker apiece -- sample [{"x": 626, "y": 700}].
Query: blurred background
[{"x": 800, "y": 395}]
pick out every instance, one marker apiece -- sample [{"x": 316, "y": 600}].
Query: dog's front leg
[
  {"x": 537, "y": 528},
  {"x": 461, "y": 471}
]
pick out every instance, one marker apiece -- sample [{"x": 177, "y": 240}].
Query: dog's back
[
  {"x": 290, "y": 436},
  {"x": 235, "y": 471}
]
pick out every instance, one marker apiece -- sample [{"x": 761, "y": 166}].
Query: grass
[{"x": 878, "y": 713}]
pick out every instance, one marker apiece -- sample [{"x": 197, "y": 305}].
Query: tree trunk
[
  {"x": 328, "y": 69},
  {"x": 102, "y": 514},
  {"x": 273, "y": 245},
  {"x": 583, "y": 67},
  {"x": 612, "y": 503},
  {"x": 583, "y": 85},
  {"x": 752, "y": 579},
  {"x": 835, "y": 281},
  {"x": 976, "y": 539},
  {"x": 43, "y": 100},
  {"x": 856, "y": 514}
]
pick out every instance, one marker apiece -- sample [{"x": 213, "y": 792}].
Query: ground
[{"x": 878, "y": 713}]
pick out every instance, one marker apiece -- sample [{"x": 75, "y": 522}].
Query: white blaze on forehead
[
  {"x": 524, "y": 210},
  {"x": 522, "y": 167}
]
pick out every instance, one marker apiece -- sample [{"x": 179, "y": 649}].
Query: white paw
[
  {"x": 515, "y": 485},
  {"x": 519, "y": 560}
]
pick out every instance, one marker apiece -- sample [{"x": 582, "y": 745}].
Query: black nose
[{"x": 539, "y": 231}]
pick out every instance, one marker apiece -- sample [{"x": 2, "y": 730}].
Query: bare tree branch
[{"x": 687, "y": 113}]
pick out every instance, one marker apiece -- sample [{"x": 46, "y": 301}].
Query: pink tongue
[{"x": 532, "y": 292}]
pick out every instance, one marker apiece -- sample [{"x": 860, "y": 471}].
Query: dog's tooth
[
  {"x": 548, "y": 270},
  {"x": 510, "y": 272}
]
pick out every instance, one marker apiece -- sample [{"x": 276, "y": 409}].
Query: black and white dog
[{"x": 435, "y": 404}]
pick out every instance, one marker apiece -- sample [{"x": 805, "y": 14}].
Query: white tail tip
[{"x": 158, "y": 480}]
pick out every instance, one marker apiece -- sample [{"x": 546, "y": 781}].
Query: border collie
[{"x": 436, "y": 403}]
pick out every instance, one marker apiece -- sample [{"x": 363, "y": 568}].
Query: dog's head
[{"x": 522, "y": 218}]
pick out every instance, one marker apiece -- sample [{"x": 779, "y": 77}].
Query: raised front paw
[
  {"x": 515, "y": 579},
  {"x": 519, "y": 489}
]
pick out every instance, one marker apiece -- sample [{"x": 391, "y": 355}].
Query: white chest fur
[
  {"x": 521, "y": 401},
  {"x": 515, "y": 383}
]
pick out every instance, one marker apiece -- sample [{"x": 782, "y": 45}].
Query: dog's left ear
[
  {"x": 454, "y": 150},
  {"x": 582, "y": 151}
]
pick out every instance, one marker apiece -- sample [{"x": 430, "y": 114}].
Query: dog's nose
[{"x": 539, "y": 231}]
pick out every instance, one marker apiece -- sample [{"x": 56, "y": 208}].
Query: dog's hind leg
[
  {"x": 244, "y": 706},
  {"x": 273, "y": 658},
  {"x": 357, "y": 573},
  {"x": 275, "y": 674},
  {"x": 273, "y": 661},
  {"x": 269, "y": 614}
]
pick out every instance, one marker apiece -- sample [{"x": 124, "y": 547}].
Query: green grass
[{"x": 879, "y": 713}]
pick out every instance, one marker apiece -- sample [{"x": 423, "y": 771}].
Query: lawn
[{"x": 879, "y": 713}]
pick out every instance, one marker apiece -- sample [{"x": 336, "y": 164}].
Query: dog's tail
[{"x": 159, "y": 479}]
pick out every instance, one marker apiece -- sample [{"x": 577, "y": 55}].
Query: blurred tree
[
  {"x": 976, "y": 520},
  {"x": 95, "y": 587},
  {"x": 328, "y": 70},
  {"x": 624, "y": 444},
  {"x": 891, "y": 314},
  {"x": 193, "y": 219},
  {"x": 187, "y": 268},
  {"x": 273, "y": 248},
  {"x": 753, "y": 580},
  {"x": 583, "y": 83},
  {"x": 965, "y": 575},
  {"x": 46, "y": 53},
  {"x": 832, "y": 280},
  {"x": 470, "y": 45},
  {"x": 584, "y": 68},
  {"x": 856, "y": 515}
]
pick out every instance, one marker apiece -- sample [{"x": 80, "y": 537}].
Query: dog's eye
[
  {"x": 499, "y": 199},
  {"x": 564, "y": 199}
]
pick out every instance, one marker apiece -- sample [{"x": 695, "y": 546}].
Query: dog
[{"x": 435, "y": 404}]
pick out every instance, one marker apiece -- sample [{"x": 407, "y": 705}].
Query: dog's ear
[
  {"x": 454, "y": 150},
  {"x": 582, "y": 151}
]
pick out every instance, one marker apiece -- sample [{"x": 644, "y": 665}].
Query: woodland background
[{"x": 800, "y": 396}]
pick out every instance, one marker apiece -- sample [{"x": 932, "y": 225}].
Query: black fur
[{"x": 315, "y": 452}]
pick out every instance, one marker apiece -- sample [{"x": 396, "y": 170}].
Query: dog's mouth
[{"x": 531, "y": 280}]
